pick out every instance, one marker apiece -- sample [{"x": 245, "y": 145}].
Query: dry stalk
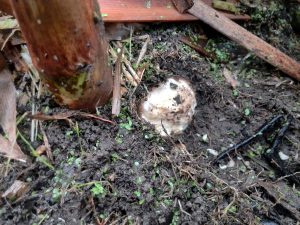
[
  {"x": 128, "y": 75},
  {"x": 143, "y": 51},
  {"x": 116, "y": 101},
  {"x": 7, "y": 39},
  {"x": 128, "y": 64}
]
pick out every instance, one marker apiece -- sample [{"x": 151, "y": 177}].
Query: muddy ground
[{"x": 116, "y": 174}]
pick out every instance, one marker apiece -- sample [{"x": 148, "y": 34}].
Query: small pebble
[
  {"x": 223, "y": 167},
  {"x": 283, "y": 156},
  {"x": 205, "y": 138},
  {"x": 247, "y": 163},
  {"x": 231, "y": 164},
  {"x": 212, "y": 151}
]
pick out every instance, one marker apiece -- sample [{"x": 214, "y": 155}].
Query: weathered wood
[
  {"x": 150, "y": 11},
  {"x": 243, "y": 37},
  {"x": 67, "y": 45},
  {"x": 139, "y": 11}
]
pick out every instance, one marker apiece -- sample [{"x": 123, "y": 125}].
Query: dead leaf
[
  {"x": 46, "y": 142},
  {"x": 229, "y": 78},
  {"x": 67, "y": 115},
  {"x": 8, "y": 150},
  {"x": 143, "y": 51},
  {"x": 8, "y": 146},
  {"x": 112, "y": 177},
  {"x": 16, "y": 190}
]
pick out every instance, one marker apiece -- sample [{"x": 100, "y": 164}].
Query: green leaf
[
  {"x": 56, "y": 194},
  {"x": 247, "y": 112},
  {"x": 98, "y": 190},
  {"x": 137, "y": 194},
  {"x": 127, "y": 126},
  {"x": 235, "y": 93},
  {"x": 232, "y": 209}
]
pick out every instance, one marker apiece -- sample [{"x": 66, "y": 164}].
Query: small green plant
[
  {"x": 138, "y": 194},
  {"x": 77, "y": 129},
  {"x": 77, "y": 162},
  {"x": 142, "y": 201},
  {"x": 247, "y": 112},
  {"x": 69, "y": 133},
  {"x": 139, "y": 180},
  {"x": 161, "y": 47},
  {"x": 251, "y": 154},
  {"x": 175, "y": 219},
  {"x": 115, "y": 157},
  {"x": 167, "y": 202},
  {"x": 56, "y": 194},
  {"x": 235, "y": 93},
  {"x": 233, "y": 209},
  {"x": 151, "y": 191},
  {"x": 98, "y": 190},
  {"x": 70, "y": 160},
  {"x": 221, "y": 53},
  {"x": 128, "y": 125},
  {"x": 221, "y": 56},
  {"x": 73, "y": 160},
  {"x": 119, "y": 139},
  {"x": 215, "y": 69}
]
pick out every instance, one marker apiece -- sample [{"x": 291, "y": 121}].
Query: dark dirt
[{"x": 145, "y": 179}]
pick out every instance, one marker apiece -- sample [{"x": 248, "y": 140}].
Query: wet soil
[{"x": 107, "y": 174}]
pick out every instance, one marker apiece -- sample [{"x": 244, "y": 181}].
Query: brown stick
[
  {"x": 116, "y": 100},
  {"x": 240, "y": 35},
  {"x": 67, "y": 45},
  {"x": 197, "y": 48}
]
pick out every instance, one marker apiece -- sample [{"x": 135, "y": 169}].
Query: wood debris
[
  {"x": 16, "y": 190},
  {"x": 240, "y": 35},
  {"x": 229, "y": 78},
  {"x": 116, "y": 100},
  {"x": 143, "y": 51},
  {"x": 159, "y": 10}
]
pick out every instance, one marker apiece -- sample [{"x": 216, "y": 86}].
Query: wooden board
[{"x": 148, "y": 11}]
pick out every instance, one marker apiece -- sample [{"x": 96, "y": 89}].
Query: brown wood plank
[{"x": 148, "y": 11}]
